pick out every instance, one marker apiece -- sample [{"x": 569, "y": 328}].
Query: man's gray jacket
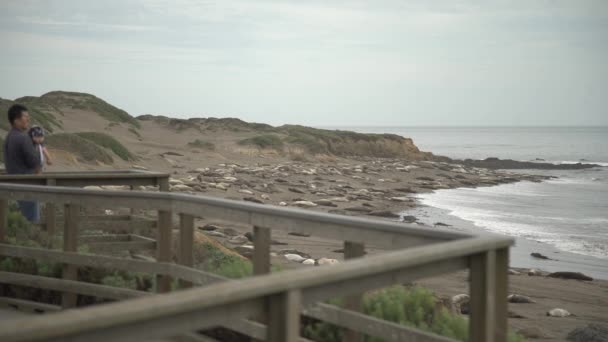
[{"x": 20, "y": 157}]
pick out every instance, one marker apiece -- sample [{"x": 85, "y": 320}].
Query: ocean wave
[
  {"x": 605, "y": 164},
  {"x": 591, "y": 245},
  {"x": 536, "y": 226}
]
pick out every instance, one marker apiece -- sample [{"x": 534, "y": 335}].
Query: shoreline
[
  {"x": 352, "y": 187},
  {"x": 374, "y": 188},
  {"x": 520, "y": 257}
]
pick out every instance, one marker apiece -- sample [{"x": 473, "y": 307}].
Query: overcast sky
[{"x": 318, "y": 62}]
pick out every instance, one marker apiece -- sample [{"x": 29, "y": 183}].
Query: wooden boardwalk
[{"x": 204, "y": 301}]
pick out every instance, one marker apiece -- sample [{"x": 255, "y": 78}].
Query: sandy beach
[{"x": 586, "y": 300}]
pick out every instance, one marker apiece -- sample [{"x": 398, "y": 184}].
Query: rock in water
[
  {"x": 294, "y": 257},
  {"x": 515, "y": 298},
  {"x": 590, "y": 333},
  {"x": 557, "y": 312},
  {"x": 539, "y": 256},
  {"x": 570, "y": 275}
]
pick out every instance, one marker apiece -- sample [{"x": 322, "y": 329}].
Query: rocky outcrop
[
  {"x": 495, "y": 164},
  {"x": 590, "y": 333}
]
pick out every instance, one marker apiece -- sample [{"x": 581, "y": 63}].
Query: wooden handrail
[
  {"x": 181, "y": 311},
  {"x": 430, "y": 253},
  {"x": 382, "y": 233}
]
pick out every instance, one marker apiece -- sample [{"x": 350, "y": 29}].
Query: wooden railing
[
  {"x": 280, "y": 298},
  {"x": 131, "y": 178}
]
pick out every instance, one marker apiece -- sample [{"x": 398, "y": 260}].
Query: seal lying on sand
[{"x": 570, "y": 275}]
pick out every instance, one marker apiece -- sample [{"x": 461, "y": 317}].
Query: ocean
[{"x": 565, "y": 218}]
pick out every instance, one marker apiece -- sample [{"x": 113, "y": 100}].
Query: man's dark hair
[{"x": 15, "y": 112}]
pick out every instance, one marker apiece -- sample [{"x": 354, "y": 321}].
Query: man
[{"x": 20, "y": 156}]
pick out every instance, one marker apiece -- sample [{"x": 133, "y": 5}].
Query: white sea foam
[
  {"x": 605, "y": 164},
  {"x": 517, "y": 215}
]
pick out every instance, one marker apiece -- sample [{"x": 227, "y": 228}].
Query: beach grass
[
  {"x": 206, "y": 145},
  {"x": 264, "y": 141},
  {"x": 110, "y": 143},
  {"x": 84, "y": 148}
]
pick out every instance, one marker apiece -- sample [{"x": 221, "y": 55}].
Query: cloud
[
  {"x": 82, "y": 25},
  {"x": 339, "y": 60}
]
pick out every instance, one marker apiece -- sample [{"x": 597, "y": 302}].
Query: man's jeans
[{"x": 31, "y": 210}]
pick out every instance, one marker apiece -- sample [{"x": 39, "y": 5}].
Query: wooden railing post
[
  {"x": 163, "y": 183},
  {"x": 3, "y": 219},
  {"x": 483, "y": 297},
  {"x": 186, "y": 235},
  {"x": 163, "y": 241},
  {"x": 353, "y": 302},
  {"x": 261, "y": 250},
  {"x": 49, "y": 216},
  {"x": 501, "y": 292},
  {"x": 163, "y": 248},
  {"x": 284, "y": 317},
  {"x": 261, "y": 263},
  {"x": 70, "y": 244}
]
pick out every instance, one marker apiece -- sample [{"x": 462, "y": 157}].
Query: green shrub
[
  {"x": 21, "y": 232},
  {"x": 18, "y": 225},
  {"x": 344, "y": 143},
  {"x": 413, "y": 307},
  {"x": 202, "y": 144},
  {"x": 84, "y": 148},
  {"x": 264, "y": 141},
  {"x": 224, "y": 264},
  {"x": 110, "y": 143},
  {"x": 121, "y": 279}
]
